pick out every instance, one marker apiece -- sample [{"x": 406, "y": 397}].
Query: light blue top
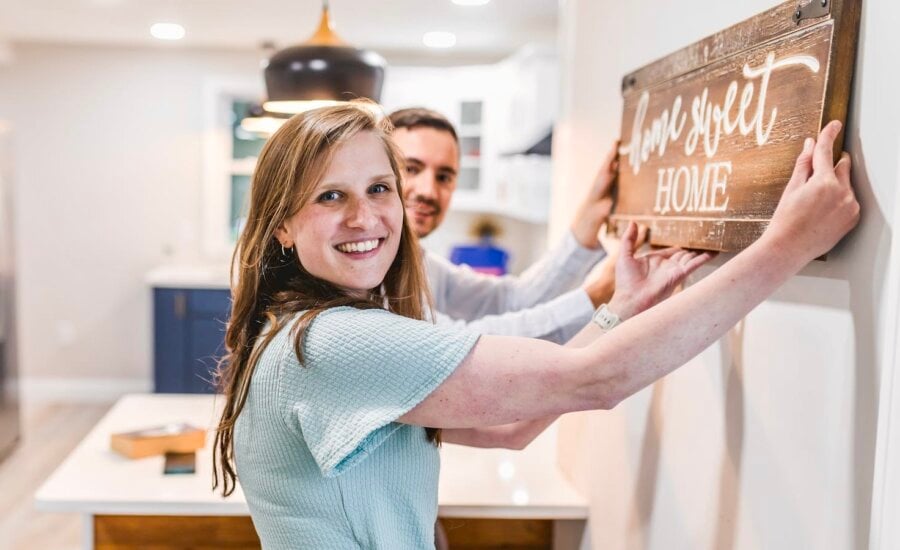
[{"x": 320, "y": 458}]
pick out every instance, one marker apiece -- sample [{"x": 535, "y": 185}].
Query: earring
[
  {"x": 283, "y": 253},
  {"x": 287, "y": 253}
]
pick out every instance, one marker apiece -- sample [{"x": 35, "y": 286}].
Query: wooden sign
[{"x": 710, "y": 134}]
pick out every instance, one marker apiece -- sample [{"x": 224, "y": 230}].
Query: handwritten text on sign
[
  {"x": 710, "y": 133},
  {"x": 705, "y": 189}
]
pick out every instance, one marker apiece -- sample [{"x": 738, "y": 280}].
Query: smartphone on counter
[{"x": 180, "y": 463}]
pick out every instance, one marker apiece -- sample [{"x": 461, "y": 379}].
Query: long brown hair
[{"x": 270, "y": 285}]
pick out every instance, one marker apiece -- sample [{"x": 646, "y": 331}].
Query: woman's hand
[
  {"x": 818, "y": 206},
  {"x": 601, "y": 287},
  {"x": 644, "y": 281}
]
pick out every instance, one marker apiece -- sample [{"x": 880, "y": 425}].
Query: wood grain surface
[
  {"x": 710, "y": 133},
  {"x": 237, "y": 532}
]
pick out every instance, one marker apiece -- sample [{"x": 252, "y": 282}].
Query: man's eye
[
  {"x": 412, "y": 170},
  {"x": 445, "y": 178},
  {"x": 328, "y": 196}
]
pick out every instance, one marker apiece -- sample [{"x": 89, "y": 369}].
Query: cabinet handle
[{"x": 181, "y": 305}]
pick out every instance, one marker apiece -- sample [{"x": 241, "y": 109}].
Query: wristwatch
[{"x": 605, "y": 318}]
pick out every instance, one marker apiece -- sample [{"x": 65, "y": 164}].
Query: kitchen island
[{"x": 487, "y": 497}]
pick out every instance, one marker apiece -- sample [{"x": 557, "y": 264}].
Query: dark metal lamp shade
[{"x": 324, "y": 70}]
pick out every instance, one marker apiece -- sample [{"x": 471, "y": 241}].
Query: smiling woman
[{"x": 326, "y": 228}]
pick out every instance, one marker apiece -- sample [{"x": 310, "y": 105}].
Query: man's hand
[
  {"x": 644, "y": 281},
  {"x": 597, "y": 205}
]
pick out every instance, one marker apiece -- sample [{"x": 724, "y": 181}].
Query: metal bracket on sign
[{"x": 816, "y": 8}]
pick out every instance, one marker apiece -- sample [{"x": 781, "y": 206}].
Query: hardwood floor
[{"x": 49, "y": 433}]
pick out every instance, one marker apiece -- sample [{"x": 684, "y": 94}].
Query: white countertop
[
  {"x": 212, "y": 276},
  {"x": 474, "y": 482}
]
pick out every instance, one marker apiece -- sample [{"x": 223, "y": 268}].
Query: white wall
[
  {"x": 886, "y": 485},
  {"x": 108, "y": 157},
  {"x": 767, "y": 439}
]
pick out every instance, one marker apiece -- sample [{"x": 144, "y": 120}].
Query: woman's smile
[{"x": 362, "y": 249}]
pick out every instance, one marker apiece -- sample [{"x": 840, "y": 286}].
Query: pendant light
[
  {"x": 260, "y": 122},
  {"x": 324, "y": 70},
  {"x": 257, "y": 120}
]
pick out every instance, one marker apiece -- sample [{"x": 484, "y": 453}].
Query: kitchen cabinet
[
  {"x": 500, "y": 111},
  {"x": 528, "y": 101},
  {"x": 188, "y": 338},
  {"x": 465, "y": 95}
]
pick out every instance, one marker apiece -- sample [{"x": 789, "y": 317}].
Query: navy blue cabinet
[{"x": 188, "y": 338}]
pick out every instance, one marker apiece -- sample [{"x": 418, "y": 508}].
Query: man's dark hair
[{"x": 418, "y": 117}]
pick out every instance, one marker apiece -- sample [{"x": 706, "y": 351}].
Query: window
[
  {"x": 229, "y": 158},
  {"x": 245, "y": 148},
  {"x": 470, "y": 146}
]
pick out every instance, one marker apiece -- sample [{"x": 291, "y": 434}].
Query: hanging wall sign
[{"x": 711, "y": 132}]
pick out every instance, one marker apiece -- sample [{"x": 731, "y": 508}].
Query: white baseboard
[{"x": 78, "y": 390}]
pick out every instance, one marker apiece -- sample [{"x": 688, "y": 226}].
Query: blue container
[{"x": 483, "y": 258}]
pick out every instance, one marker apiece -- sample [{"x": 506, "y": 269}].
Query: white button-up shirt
[{"x": 545, "y": 301}]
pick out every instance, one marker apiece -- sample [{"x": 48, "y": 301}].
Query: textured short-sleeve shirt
[{"x": 319, "y": 454}]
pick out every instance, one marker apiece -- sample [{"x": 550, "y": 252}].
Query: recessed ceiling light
[
  {"x": 167, "y": 31},
  {"x": 439, "y": 39},
  {"x": 470, "y": 2}
]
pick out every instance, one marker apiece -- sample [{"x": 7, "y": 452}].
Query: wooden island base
[{"x": 222, "y": 532}]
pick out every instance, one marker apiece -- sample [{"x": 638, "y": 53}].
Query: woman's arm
[
  {"x": 507, "y": 379},
  {"x": 637, "y": 291},
  {"x": 516, "y": 435},
  {"x": 645, "y": 281}
]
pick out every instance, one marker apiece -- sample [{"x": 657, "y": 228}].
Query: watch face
[{"x": 605, "y": 318}]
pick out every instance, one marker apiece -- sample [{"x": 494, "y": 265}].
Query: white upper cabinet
[
  {"x": 499, "y": 110},
  {"x": 531, "y": 98}
]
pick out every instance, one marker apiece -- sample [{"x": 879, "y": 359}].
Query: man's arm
[
  {"x": 560, "y": 318},
  {"x": 462, "y": 294},
  {"x": 557, "y": 320}
]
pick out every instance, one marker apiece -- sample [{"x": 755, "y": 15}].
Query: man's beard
[{"x": 432, "y": 211}]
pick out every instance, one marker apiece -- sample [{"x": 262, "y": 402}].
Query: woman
[{"x": 337, "y": 393}]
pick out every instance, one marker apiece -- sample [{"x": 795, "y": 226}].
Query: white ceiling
[{"x": 392, "y": 27}]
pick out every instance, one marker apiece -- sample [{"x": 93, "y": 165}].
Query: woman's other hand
[
  {"x": 818, "y": 206},
  {"x": 602, "y": 285},
  {"x": 645, "y": 280}
]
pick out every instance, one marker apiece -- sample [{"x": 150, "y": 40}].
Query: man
[{"x": 544, "y": 302}]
